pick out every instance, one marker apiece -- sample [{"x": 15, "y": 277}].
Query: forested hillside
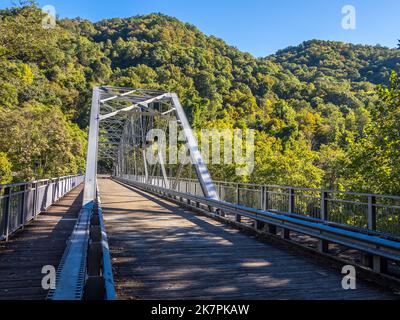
[{"x": 326, "y": 113}]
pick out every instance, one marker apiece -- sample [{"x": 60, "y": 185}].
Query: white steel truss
[{"x": 119, "y": 123}]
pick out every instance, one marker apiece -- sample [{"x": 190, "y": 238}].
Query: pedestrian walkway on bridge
[
  {"x": 41, "y": 243},
  {"x": 162, "y": 251}
]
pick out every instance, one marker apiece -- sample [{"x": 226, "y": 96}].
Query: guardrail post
[
  {"x": 260, "y": 226},
  {"x": 371, "y": 212},
  {"x": 238, "y": 218},
  {"x": 374, "y": 262},
  {"x": 238, "y": 194},
  {"x": 272, "y": 229},
  {"x": 323, "y": 246},
  {"x": 379, "y": 264},
  {"x": 7, "y": 207},
  {"x": 286, "y": 234},
  {"x": 367, "y": 260}
]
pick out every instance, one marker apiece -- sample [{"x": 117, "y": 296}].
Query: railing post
[
  {"x": 323, "y": 245},
  {"x": 291, "y": 200},
  {"x": 371, "y": 212},
  {"x": 238, "y": 194},
  {"x": 58, "y": 189},
  {"x": 34, "y": 186},
  {"x": 324, "y": 206},
  {"x": 53, "y": 195},
  {"x": 263, "y": 198},
  {"x": 7, "y": 207},
  {"x": 23, "y": 190}
]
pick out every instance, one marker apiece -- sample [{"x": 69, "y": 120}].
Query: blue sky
[{"x": 260, "y": 27}]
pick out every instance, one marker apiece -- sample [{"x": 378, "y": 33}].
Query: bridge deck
[
  {"x": 41, "y": 243},
  {"x": 161, "y": 251}
]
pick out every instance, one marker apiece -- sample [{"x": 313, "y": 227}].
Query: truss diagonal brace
[{"x": 203, "y": 174}]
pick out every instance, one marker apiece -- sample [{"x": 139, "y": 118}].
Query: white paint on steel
[
  {"x": 91, "y": 158},
  {"x": 203, "y": 174}
]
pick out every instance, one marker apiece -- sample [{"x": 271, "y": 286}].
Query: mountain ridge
[{"x": 304, "y": 102}]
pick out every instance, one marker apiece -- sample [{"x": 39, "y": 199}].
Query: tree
[
  {"x": 5, "y": 169},
  {"x": 375, "y": 158},
  {"x": 315, "y": 107},
  {"x": 41, "y": 143}
]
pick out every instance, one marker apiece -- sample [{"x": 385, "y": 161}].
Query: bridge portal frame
[{"x": 140, "y": 101}]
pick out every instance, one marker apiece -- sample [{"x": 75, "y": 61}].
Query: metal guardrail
[
  {"x": 22, "y": 202},
  {"x": 85, "y": 271},
  {"x": 377, "y": 248},
  {"x": 359, "y": 211}
]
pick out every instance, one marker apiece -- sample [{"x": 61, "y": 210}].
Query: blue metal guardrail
[
  {"x": 85, "y": 271},
  {"x": 372, "y": 244},
  {"x": 359, "y": 211},
  {"x": 22, "y": 202}
]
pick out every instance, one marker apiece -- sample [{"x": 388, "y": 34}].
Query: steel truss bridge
[{"x": 163, "y": 229}]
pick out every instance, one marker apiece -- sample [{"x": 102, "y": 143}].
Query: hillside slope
[{"x": 311, "y": 104}]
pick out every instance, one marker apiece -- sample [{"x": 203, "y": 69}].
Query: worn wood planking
[
  {"x": 162, "y": 251},
  {"x": 41, "y": 243}
]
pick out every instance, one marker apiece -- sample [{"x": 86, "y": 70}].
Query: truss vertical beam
[
  {"x": 91, "y": 158},
  {"x": 146, "y": 170}
]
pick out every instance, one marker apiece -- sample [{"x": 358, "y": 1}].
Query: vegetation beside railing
[{"x": 373, "y": 212}]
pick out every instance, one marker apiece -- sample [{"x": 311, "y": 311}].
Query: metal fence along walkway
[
  {"x": 360, "y": 211},
  {"x": 161, "y": 251},
  {"x": 22, "y": 202},
  {"x": 41, "y": 243}
]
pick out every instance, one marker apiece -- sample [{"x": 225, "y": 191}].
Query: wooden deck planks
[
  {"x": 41, "y": 243},
  {"x": 161, "y": 251}
]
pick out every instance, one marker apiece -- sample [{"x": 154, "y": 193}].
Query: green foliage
[
  {"x": 375, "y": 159},
  {"x": 5, "y": 169},
  {"x": 40, "y": 142},
  {"x": 319, "y": 119}
]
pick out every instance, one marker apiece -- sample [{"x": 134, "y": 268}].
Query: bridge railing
[
  {"x": 361, "y": 211},
  {"x": 22, "y": 202},
  {"x": 376, "y": 250}
]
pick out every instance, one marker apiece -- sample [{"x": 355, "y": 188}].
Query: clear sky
[{"x": 260, "y": 27}]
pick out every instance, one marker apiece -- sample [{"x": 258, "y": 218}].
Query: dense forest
[{"x": 326, "y": 113}]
